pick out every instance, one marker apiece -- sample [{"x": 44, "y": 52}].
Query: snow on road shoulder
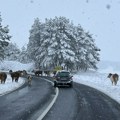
[
  {"x": 9, "y": 85},
  {"x": 14, "y": 66},
  {"x": 99, "y": 81}
]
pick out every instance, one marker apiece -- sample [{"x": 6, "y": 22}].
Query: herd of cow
[
  {"x": 15, "y": 75},
  {"x": 47, "y": 72}
]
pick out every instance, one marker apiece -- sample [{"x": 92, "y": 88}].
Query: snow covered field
[
  {"x": 96, "y": 79},
  {"x": 99, "y": 81}
]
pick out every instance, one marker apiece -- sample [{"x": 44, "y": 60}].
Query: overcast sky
[{"x": 100, "y": 17}]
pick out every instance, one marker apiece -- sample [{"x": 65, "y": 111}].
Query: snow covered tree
[
  {"x": 23, "y": 56},
  {"x": 57, "y": 42},
  {"x": 4, "y": 38},
  {"x": 92, "y": 55},
  {"x": 86, "y": 52},
  {"x": 12, "y": 52},
  {"x": 35, "y": 40}
]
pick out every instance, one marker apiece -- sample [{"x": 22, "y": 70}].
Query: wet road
[
  {"x": 23, "y": 103},
  {"x": 83, "y": 103}
]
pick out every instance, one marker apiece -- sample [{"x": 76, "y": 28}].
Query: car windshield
[{"x": 63, "y": 74}]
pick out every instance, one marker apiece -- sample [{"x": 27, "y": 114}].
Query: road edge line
[{"x": 50, "y": 105}]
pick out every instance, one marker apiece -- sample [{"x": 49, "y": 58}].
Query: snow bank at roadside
[
  {"x": 10, "y": 86},
  {"x": 99, "y": 80}
]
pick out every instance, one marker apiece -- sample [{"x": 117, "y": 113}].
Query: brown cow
[
  {"x": 3, "y": 77},
  {"x": 15, "y": 75},
  {"x": 114, "y": 78}
]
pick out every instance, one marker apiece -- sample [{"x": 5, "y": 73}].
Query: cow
[
  {"x": 38, "y": 73},
  {"x": 24, "y": 72},
  {"x": 29, "y": 80},
  {"x": 10, "y": 71},
  {"x": 15, "y": 75},
  {"x": 47, "y": 73},
  {"x": 54, "y": 72},
  {"x": 3, "y": 77},
  {"x": 114, "y": 78}
]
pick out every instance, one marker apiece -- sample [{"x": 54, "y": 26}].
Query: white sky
[
  {"x": 96, "y": 79},
  {"x": 100, "y": 17}
]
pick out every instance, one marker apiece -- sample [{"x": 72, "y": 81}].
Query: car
[{"x": 63, "y": 78}]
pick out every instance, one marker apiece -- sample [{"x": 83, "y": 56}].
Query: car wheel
[{"x": 71, "y": 85}]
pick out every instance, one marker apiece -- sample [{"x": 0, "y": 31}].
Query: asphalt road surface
[
  {"x": 78, "y": 103},
  {"x": 23, "y": 103},
  {"x": 83, "y": 103}
]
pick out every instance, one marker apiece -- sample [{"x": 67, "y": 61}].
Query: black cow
[
  {"x": 15, "y": 75},
  {"x": 38, "y": 73}
]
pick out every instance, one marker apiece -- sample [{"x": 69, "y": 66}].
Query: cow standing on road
[
  {"x": 38, "y": 73},
  {"x": 29, "y": 80}
]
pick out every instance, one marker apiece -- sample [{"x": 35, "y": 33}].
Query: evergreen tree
[
  {"x": 35, "y": 40},
  {"x": 92, "y": 55},
  {"x": 12, "y": 52},
  {"x": 57, "y": 42},
  {"x": 87, "y": 54},
  {"x": 23, "y": 56},
  {"x": 4, "y": 38}
]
